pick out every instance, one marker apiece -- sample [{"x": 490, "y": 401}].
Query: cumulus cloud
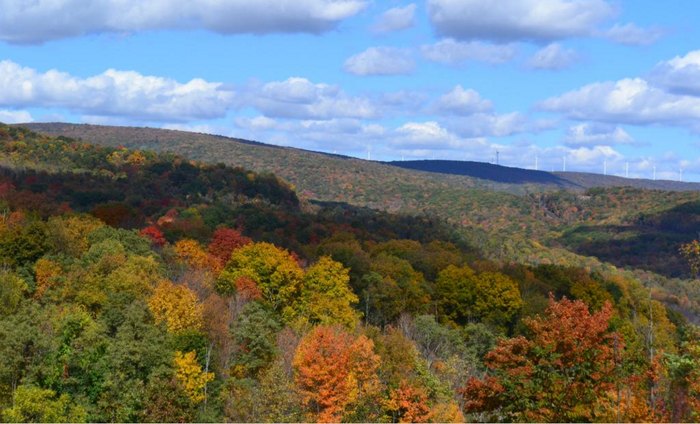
[
  {"x": 40, "y": 21},
  {"x": 553, "y": 57},
  {"x": 451, "y": 52},
  {"x": 517, "y": 20},
  {"x": 396, "y": 19},
  {"x": 429, "y": 135},
  {"x": 15, "y": 116},
  {"x": 462, "y": 102},
  {"x": 491, "y": 125},
  {"x": 380, "y": 61},
  {"x": 113, "y": 92},
  {"x": 593, "y": 134},
  {"x": 680, "y": 75},
  {"x": 628, "y": 101},
  {"x": 592, "y": 155},
  {"x": 633, "y": 35},
  {"x": 343, "y": 133},
  {"x": 299, "y": 98}
]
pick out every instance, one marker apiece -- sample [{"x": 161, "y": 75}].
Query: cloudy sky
[{"x": 592, "y": 82}]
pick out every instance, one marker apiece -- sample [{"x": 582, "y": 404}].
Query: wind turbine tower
[{"x": 627, "y": 169}]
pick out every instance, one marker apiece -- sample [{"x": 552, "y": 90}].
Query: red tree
[
  {"x": 154, "y": 234},
  {"x": 224, "y": 241},
  {"x": 561, "y": 372}
]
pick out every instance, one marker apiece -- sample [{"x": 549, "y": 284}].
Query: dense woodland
[{"x": 142, "y": 286}]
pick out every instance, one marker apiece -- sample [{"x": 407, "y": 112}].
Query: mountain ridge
[{"x": 493, "y": 176}]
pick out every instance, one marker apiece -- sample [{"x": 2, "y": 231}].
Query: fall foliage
[{"x": 129, "y": 293}]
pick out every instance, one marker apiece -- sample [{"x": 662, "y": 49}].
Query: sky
[{"x": 590, "y": 85}]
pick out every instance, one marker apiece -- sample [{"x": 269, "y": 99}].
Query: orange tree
[{"x": 560, "y": 373}]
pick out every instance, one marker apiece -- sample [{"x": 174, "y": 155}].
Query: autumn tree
[
  {"x": 332, "y": 370},
  {"x": 558, "y": 373},
  {"x": 190, "y": 375},
  {"x": 275, "y": 272},
  {"x": 34, "y": 404},
  {"x": 224, "y": 241},
  {"x": 176, "y": 306},
  {"x": 69, "y": 234},
  {"x": 191, "y": 253},
  {"x": 325, "y": 296},
  {"x": 46, "y": 274},
  {"x": 464, "y": 296},
  {"x": 154, "y": 234},
  {"x": 393, "y": 288},
  {"x": 408, "y": 404}
]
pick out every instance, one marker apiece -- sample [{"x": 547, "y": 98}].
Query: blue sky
[{"x": 600, "y": 83}]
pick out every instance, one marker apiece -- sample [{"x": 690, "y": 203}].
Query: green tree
[
  {"x": 12, "y": 289},
  {"x": 254, "y": 333},
  {"x": 33, "y": 404},
  {"x": 455, "y": 293}
]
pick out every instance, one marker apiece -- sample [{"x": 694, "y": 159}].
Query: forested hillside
[
  {"x": 512, "y": 214},
  {"x": 142, "y": 286}
]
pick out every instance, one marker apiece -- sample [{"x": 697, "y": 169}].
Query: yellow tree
[
  {"x": 176, "y": 306},
  {"x": 326, "y": 297},
  {"x": 46, "y": 273},
  {"x": 190, "y": 375},
  {"x": 274, "y": 271},
  {"x": 191, "y": 253}
]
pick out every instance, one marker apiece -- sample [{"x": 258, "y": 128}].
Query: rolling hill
[{"x": 512, "y": 214}]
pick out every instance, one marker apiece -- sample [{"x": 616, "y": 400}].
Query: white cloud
[
  {"x": 517, "y": 20},
  {"x": 630, "y": 101},
  {"x": 491, "y": 125},
  {"x": 633, "y": 35},
  {"x": 396, "y": 19},
  {"x": 380, "y": 61},
  {"x": 332, "y": 134},
  {"x": 44, "y": 20},
  {"x": 113, "y": 92},
  {"x": 299, "y": 98},
  {"x": 553, "y": 57},
  {"x": 462, "y": 102},
  {"x": 429, "y": 135},
  {"x": 680, "y": 74},
  {"x": 451, "y": 52},
  {"x": 15, "y": 116},
  {"x": 592, "y": 134},
  {"x": 592, "y": 155}
]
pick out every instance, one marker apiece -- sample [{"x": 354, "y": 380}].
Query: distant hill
[
  {"x": 486, "y": 171},
  {"x": 566, "y": 180}
]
